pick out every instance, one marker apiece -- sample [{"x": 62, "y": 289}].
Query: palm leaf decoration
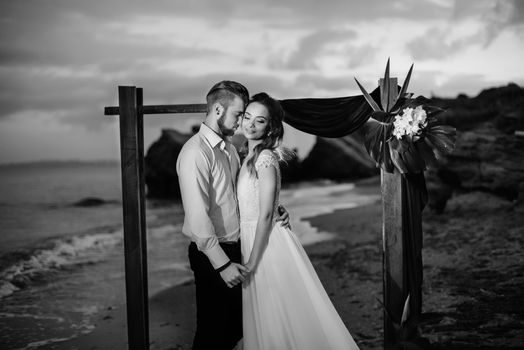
[
  {"x": 408, "y": 154},
  {"x": 368, "y": 98}
]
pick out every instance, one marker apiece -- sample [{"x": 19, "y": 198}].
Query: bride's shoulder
[{"x": 265, "y": 159}]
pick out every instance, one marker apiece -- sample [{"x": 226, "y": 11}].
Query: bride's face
[{"x": 255, "y": 121}]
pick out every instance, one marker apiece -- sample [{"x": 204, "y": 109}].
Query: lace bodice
[{"x": 247, "y": 187}]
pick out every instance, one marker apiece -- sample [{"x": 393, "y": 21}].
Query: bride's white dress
[{"x": 285, "y": 306}]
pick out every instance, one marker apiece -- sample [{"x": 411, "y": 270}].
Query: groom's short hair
[{"x": 224, "y": 92}]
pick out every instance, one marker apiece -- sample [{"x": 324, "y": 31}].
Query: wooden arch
[{"x": 131, "y": 111}]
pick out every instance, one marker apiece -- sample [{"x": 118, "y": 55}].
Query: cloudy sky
[{"x": 62, "y": 60}]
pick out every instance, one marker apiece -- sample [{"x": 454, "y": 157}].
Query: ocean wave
[{"x": 22, "y": 269}]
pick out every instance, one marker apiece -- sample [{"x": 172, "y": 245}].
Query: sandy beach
[{"x": 473, "y": 278}]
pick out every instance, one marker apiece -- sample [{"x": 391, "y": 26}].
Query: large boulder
[
  {"x": 160, "y": 164},
  {"x": 338, "y": 159},
  {"x": 489, "y": 156},
  {"x": 487, "y": 159}
]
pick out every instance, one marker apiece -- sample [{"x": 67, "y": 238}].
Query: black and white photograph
[{"x": 261, "y": 175}]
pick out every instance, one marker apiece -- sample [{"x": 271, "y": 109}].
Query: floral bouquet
[{"x": 403, "y": 132}]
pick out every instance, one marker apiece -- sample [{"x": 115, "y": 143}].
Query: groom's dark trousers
[{"x": 219, "y": 308}]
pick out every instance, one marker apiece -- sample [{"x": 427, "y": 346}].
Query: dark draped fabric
[
  {"x": 414, "y": 199},
  {"x": 328, "y": 117}
]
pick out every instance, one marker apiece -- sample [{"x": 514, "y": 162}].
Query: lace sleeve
[{"x": 266, "y": 159}]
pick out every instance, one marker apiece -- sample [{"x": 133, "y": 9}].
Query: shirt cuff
[{"x": 216, "y": 256}]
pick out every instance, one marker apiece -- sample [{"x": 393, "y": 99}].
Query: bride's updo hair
[{"x": 274, "y": 131}]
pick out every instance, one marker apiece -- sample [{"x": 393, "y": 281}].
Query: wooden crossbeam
[{"x": 162, "y": 109}]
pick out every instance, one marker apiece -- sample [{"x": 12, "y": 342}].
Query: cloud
[
  {"x": 494, "y": 15},
  {"x": 63, "y": 59},
  {"x": 314, "y": 45},
  {"x": 503, "y": 15},
  {"x": 488, "y": 17},
  {"x": 358, "y": 55},
  {"x": 285, "y": 14},
  {"x": 436, "y": 44},
  {"x": 78, "y": 98},
  {"x": 319, "y": 13},
  {"x": 320, "y": 85},
  {"x": 518, "y": 12}
]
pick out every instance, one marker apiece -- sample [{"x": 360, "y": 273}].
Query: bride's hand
[
  {"x": 284, "y": 217},
  {"x": 249, "y": 267}
]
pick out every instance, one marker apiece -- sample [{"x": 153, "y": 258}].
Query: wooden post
[
  {"x": 392, "y": 252},
  {"x": 403, "y": 200},
  {"x": 135, "y": 249}
]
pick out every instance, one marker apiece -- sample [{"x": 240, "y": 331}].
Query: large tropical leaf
[
  {"x": 426, "y": 153},
  {"x": 401, "y": 103},
  {"x": 397, "y": 161},
  {"x": 413, "y": 160},
  {"x": 368, "y": 97},
  {"x": 433, "y": 111},
  {"x": 405, "y": 156},
  {"x": 418, "y": 101},
  {"x": 388, "y": 90},
  {"x": 375, "y": 139},
  {"x": 441, "y": 137},
  {"x": 404, "y": 88},
  {"x": 380, "y": 116}
]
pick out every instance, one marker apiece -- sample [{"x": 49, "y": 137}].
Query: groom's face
[{"x": 228, "y": 121}]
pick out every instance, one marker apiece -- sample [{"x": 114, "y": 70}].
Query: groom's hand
[
  {"x": 284, "y": 217},
  {"x": 233, "y": 274}
]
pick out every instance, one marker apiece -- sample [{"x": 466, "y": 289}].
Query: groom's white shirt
[{"x": 207, "y": 181}]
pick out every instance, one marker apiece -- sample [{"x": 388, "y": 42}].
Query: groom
[{"x": 207, "y": 168}]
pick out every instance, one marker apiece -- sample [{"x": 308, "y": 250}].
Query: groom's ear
[{"x": 218, "y": 109}]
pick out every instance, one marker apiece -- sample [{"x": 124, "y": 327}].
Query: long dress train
[{"x": 285, "y": 306}]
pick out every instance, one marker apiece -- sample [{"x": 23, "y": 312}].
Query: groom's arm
[{"x": 193, "y": 175}]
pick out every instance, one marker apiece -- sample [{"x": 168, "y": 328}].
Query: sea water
[{"x": 62, "y": 264}]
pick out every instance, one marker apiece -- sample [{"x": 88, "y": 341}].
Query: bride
[{"x": 284, "y": 304}]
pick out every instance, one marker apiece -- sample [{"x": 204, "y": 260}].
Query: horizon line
[{"x": 57, "y": 161}]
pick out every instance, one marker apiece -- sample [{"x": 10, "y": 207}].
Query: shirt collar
[{"x": 211, "y": 136}]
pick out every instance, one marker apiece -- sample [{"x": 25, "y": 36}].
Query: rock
[
  {"x": 487, "y": 159},
  {"x": 160, "y": 164},
  {"x": 91, "y": 202},
  {"x": 337, "y": 159},
  {"x": 488, "y": 155},
  {"x": 477, "y": 203}
]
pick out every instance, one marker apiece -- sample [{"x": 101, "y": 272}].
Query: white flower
[
  {"x": 419, "y": 115},
  {"x": 410, "y": 122}
]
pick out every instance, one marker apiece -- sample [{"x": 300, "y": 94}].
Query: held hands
[
  {"x": 284, "y": 217},
  {"x": 234, "y": 274}
]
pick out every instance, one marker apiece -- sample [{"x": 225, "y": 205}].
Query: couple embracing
[{"x": 262, "y": 293}]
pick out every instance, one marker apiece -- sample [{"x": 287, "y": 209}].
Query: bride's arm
[{"x": 267, "y": 184}]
